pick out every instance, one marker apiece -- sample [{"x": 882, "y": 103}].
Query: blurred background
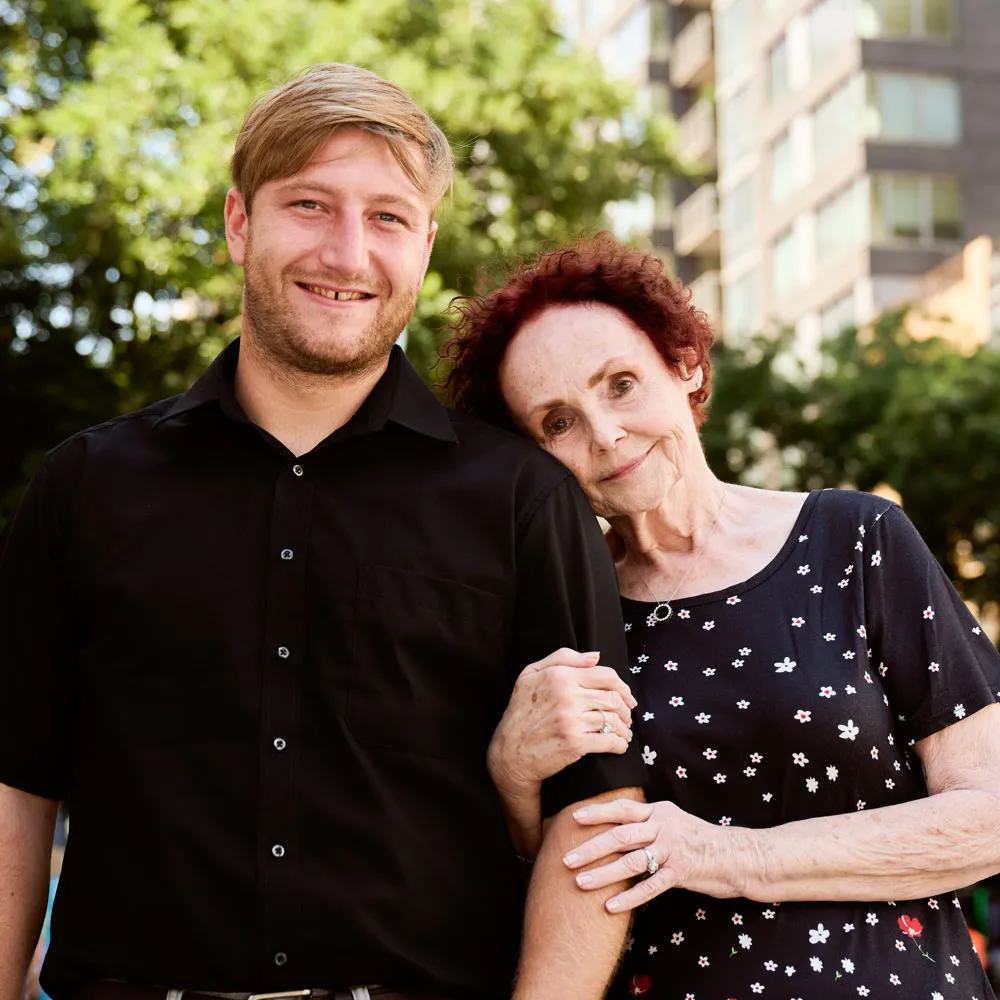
[{"x": 824, "y": 174}]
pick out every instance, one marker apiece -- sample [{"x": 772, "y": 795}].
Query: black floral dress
[{"x": 797, "y": 694}]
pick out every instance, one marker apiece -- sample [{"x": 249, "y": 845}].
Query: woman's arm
[
  {"x": 555, "y": 715},
  {"x": 905, "y": 851}
]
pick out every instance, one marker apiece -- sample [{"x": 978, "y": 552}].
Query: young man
[{"x": 270, "y": 625}]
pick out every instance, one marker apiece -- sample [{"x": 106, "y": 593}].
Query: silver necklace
[{"x": 656, "y": 616}]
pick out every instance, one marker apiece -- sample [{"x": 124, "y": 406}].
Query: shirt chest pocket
[{"x": 428, "y": 670}]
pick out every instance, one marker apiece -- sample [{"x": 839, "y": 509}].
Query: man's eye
[
  {"x": 306, "y": 203},
  {"x": 388, "y": 217}
]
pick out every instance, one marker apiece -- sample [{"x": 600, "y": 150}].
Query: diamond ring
[
  {"x": 606, "y": 726},
  {"x": 652, "y": 865}
]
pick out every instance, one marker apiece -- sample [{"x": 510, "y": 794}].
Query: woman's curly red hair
[{"x": 596, "y": 269}]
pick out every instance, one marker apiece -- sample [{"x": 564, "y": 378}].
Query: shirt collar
[{"x": 400, "y": 395}]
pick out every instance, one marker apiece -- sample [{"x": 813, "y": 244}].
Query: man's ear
[{"x": 237, "y": 223}]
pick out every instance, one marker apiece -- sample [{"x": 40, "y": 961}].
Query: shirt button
[
  {"x": 280, "y": 958},
  {"x": 278, "y": 851},
  {"x": 287, "y": 554},
  {"x": 298, "y": 470},
  {"x": 283, "y": 652},
  {"x": 279, "y": 744}
]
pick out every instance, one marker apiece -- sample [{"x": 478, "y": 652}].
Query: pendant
[{"x": 656, "y": 616}]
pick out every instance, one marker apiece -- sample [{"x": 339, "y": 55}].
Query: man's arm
[
  {"x": 27, "y": 823},
  {"x": 572, "y": 945}
]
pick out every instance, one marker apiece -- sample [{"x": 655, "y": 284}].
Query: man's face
[{"x": 333, "y": 257}]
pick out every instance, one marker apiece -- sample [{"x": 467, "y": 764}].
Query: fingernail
[
  {"x": 571, "y": 859},
  {"x": 628, "y": 736},
  {"x": 582, "y": 880},
  {"x": 580, "y": 814},
  {"x": 593, "y": 652},
  {"x": 613, "y": 905}
]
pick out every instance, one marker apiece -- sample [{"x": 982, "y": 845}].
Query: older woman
[{"x": 816, "y": 705}]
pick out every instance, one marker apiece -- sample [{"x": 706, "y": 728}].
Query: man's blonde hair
[{"x": 283, "y": 129}]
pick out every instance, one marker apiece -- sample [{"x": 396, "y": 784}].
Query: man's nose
[{"x": 344, "y": 250}]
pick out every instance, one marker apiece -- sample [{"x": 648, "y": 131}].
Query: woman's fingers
[
  {"x": 617, "y": 811},
  {"x": 635, "y": 864},
  {"x": 642, "y": 892},
  {"x": 617, "y": 840},
  {"x": 606, "y": 679},
  {"x": 596, "y": 720},
  {"x": 566, "y": 657},
  {"x": 610, "y": 702}
]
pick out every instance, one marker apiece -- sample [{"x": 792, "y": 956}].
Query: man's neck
[{"x": 298, "y": 408}]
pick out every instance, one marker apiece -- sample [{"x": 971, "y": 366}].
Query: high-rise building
[{"x": 858, "y": 145}]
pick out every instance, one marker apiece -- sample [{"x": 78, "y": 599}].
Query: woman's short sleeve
[{"x": 937, "y": 663}]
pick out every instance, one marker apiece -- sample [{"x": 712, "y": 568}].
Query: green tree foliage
[
  {"x": 883, "y": 408},
  {"x": 115, "y": 135}
]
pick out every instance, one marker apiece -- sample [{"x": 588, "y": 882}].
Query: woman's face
[{"x": 594, "y": 392}]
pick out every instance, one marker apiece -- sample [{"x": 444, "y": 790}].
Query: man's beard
[{"x": 280, "y": 336}]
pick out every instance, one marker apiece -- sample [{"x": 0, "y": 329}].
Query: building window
[
  {"x": 777, "y": 71},
  {"x": 908, "y": 18},
  {"x": 783, "y": 173},
  {"x": 837, "y": 122},
  {"x": 915, "y": 208},
  {"x": 784, "y": 266},
  {"x": 739, "y": 307},
  {"x": 841, "y": 222},
  {"x": 838, "y": 316},
  {"x": 908, "y": 107},
  {"x": 596, "y": 13},
  {"x": 732, "y": 39},
  {"x": 833, "y": 24},
  {"x": 736, "y": 122},
  {"x": 627, "y": 49},
  {"x": 738, "y": 220}
]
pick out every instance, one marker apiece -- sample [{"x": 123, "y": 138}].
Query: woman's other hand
[{"x": 556, "y": 714}]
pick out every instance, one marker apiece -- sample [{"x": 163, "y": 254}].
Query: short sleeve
[
  {"x": 937, "y": 663},
  {"x": 35, "y": 674},
  {"x": 567, "y": 595}
]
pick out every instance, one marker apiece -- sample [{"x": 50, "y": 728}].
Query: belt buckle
[{"x": 280, "y": 996}]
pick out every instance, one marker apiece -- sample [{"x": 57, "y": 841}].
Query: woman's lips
[{"x": 627, "y": 468}]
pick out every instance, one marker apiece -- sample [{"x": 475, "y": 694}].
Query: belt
[{"x": 113, "y": 990}]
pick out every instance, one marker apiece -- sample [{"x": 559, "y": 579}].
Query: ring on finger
[
  {"x": 605, "y": 725},
  {"x": 652, "y": 865}
]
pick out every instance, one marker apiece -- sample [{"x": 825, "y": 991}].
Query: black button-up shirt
[{"x": 266, "y": 685}]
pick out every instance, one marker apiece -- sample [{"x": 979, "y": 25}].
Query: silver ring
[
  {"x": 606, "y": 726},
  {"x": 652, "y": 865}
]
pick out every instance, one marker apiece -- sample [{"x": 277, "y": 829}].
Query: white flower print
[
  {"x": 816, "y": 589},
  {"x": 737, "y": 663},
  {"x": 800, "y": 758},
  {"x": 847, "y": 965},
  {"x": 900, "y": 946},
  {"x": 818, "y": 935},
  {"x": 703, "y": 961},
  {"x": 709, "y": 671},
  {"x": 882, "y": 669},
  {"x": 849, "y": 655},
  {"x": 863, "y": 632},
  {"x": 889, "y": 783},
  {"x": 749, "y": 771},
  {"x": 677, "y": 938},
  {"x": 851, "y": 689},
  {"x": 812, "y": 785},
  {"x": 802, "y": 538},
  {"x": 676, "y": 701},
  {"x": 670, "y": 665},
  {"x": 830, "y": 636},
  {"x": 757, "y": 987},
  {"x": 848, "y": 731},
  {"x": 803, "y": 716},
  {"x": 798, "y": 622},
  {"x": 767, "y": 796},
  {"x": 936, "y": 996},
  {"x": 874, "y": 752},
  {"x": 768, "y": 914},
  {"x": 928, "y": 613},
  {"x": 871, "y": 919},
  {"x": 756, "y": 758},
  {"x": 934, "y": 668},
  {"x": 863, "y": 991},
  {"x": 636, "y": 670},
  {"x": 877, "y": 557},
  {"x": 832, "y": 772},
  {"x": 708, "y": 626},
  {"x": 785, "y": 666},
  {"x": 894, "y": 979},
  {"x": 648, "y": 755},
  {"x": 745, "y": 941},
  {"x": 826, "y": 692},
  {"x": 770, "y": 966},
  {"x": 789, "y": 970},
  {"x": 743, "y": 703},
  {"x": 949, "y": 977},
  {"x": 641, "y": 659},
  {"x": 725, "y": 821},
  {"x": 848, "y": 928},
  {"x": 861, "y": 530},
  {"x": 703, "y": 718},
  {"x": 745, "y": 651},
  {"x": 816, "y": 963},
  {"x": 859, "y": 547},
  {"x": 653, "y": 949},
  {"x": 977, "y": 630},
  {"x": 868, "y": 678},
  {"x": 719, "y": 779},
  {"x": 932, "y": 903},
  {"x": 699, "y": 914},
  {"x": 954, "y": 960},
  {"x": 959, "y": 711},
  {"x": 646, "y": 716},
  {"x": 861, "y": 804},
  {"x": 895, "y": 764},
  {"x": 709, "y": 754},
  {"x": 891, "y": 740},
  {"x": 628, "y": 626},
  {"x": 733, "y": 600},
  {"x": 843, "y": 583},
  {"x": 684, "y": 613},
  {"x": 956, "y": 903},
  {"x": 802, "y": 570},
  {"x": 681, "y": 772}
]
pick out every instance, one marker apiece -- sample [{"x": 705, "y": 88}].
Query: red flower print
[
  {"x": 910, "y": 926},
  {"x": 639, "y": 985}
]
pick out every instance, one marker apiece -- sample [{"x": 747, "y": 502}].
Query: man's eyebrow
[{"x": 381, "y": 199}]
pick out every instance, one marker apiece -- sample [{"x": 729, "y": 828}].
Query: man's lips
[
  {"x": 623, "y": 470},
  {"x": 330, "y": 294}
]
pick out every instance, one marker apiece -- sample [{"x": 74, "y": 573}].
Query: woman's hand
[
  {"x": 556, "y": 714},
  {"x": 679, "y": 844}
]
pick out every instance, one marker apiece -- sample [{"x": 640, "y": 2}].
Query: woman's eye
[
  {"x": 556, "y": 426},
  {"x": 622, "y": 386}
]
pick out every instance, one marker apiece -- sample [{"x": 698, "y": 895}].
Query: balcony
[
  {"x": 692, "y": 63},
  {"x": 706, "y": 296},
  {"x": 696, "y": 132},
  {"x": 696, "y": 223},
  {"x": 700, "y": 4}
]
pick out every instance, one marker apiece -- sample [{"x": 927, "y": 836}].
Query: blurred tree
[
  {"x": 916, "y": 416},
  {"x": 117, "y": 119}
]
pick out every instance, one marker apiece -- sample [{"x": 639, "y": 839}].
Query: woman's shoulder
[{"x": 852, "y": 507}]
